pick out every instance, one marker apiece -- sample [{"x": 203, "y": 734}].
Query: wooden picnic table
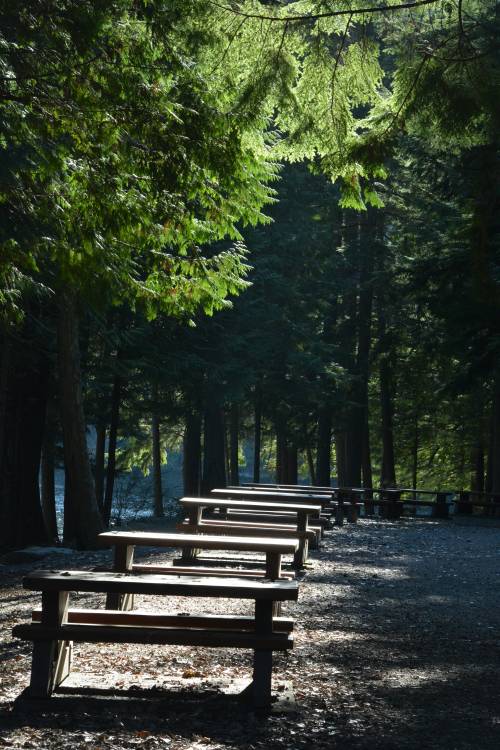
[
  {"x": 124, "y": 543},
  {"x": 303, "y": 511},
  {"x": 55, "y": 626}
]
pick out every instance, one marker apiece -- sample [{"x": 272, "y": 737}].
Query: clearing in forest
[{"x": 396, "y": 647}]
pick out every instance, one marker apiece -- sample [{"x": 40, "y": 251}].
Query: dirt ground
[{"x": 397, "y": 647}]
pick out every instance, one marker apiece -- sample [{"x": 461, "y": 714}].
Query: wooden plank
[
  {"x": 226, "y": 528},
  {"x": 270, "y": 516},
  {"x": 194, "y": 570},
  {"x": 204, "y": 502},
  {"x": 285, "y": 545},
  {"x": 124, "y": 583},
  {"x": 165, "y": 636},
  {"x": 280, "y": 497},
  {"x": 259, "y": 526},
  {"x": 302, "y": 489},
  {"x": 148, "y": 619}
]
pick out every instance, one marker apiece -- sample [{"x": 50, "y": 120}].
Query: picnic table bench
[
  {"x": 55, "y": 626},
  {"x": 124, "y": 543},
  {"x": 274, "y": 495},
  {"x": 303, "y": 511},
  {"x": 303, "y": 488}
]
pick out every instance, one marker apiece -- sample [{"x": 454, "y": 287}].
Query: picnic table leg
[
  {"x": 300, "y": 557},
  {"x": 352, "y": 514},
  {"x": 273, "y": 572},
  {"x": 194, "y": 517},
  {"x": 273, "y": 565},
  {"x": 441, "y": 509},
  {"x": 369, "y": 506},
  {"x": 339, "y": 512},
  {"x": 463, "y": 505},
  {"x": 123, "y": 559},
  {"x": 51, "y": 661},
  {"x": 263, "y": 658}
]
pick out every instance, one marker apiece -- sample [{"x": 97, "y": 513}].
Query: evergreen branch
[
  {"x": 411, "y": 89},
  {"x": 226, "y": 51},
  {"x": 337, "y": 60},
  {"x": 326, "y": 14}
]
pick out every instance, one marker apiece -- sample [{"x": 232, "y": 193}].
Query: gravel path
[{"x": 397, "y": 647}]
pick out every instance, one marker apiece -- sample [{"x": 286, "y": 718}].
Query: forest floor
[{"x": 397, "y": 647}]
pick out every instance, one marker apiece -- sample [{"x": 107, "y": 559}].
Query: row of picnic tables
[{"x": 271, "y": 525}]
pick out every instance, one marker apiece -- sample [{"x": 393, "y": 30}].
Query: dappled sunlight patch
[
  {"x": 374, "y": 571},
  {"x": 416, "y": 677}
]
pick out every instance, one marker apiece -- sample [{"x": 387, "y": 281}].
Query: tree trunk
[
  {"x": 340, "y": 458},
  {"x": 116, "y": 395},
  {"x": 157, "y": 462},
  {"x": 5, "y": 370},
  {"x": 388, "y": 470},
  {"x": 214, "y": 461},
  {"x": 48, "y": 494},
  {"x": 100, "y": 450},
  {"x": 70, "y": 523},
  {"x": 88, "y": 521},
  {"x": 477, "y": 467},
  {"x": 415, "y": 446},
  {"x": 495, "y": 438},
  {"x": 291, "y": 465},
  {"x": 257, "y": 438},
  {"x": 234, "y": 426},
  {"x": 366, "y": 466},
  {"x": 23, "y": 394},
  {"x": 192, "y": 455},
  {"x": 353, "y": 446},
  {"x": 280, "y": 454},
  {"x": 490, "y": 458},
  {"x": 324, "y": 449},
  {"x": 310, "y": 464}
]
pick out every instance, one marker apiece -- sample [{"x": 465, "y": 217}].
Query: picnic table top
[
  {"x": 205, "y": 502},
  {"x": 394, "y": 490},
  {"x": 200, "y": 541},
  {"x": 78, "y": 580},
  {"x": 278, "y": 494},
  {"x": 308, "y": 488}
]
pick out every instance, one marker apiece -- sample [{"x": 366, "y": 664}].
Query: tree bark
[
  {"x": 48, "y": 490},
  {"x": 192, "y": 455},
  {"x": 388, "y": 469},
  {"x": 366, "y": 466},
  {"x": 291, "y": 465},
  {"x": 157, "y": 462},
  {"x": 234, "y": 426},
  {"x": 82, "y": 498},
  {"x": 310, "y": 464},
  {"x": 100, "y": 450},
  {"x": 116, "y": 396},
  {"x": 286, "y": 456},
  {"x": 324, "y": 449},
  {"x": 415, "y": 446},
  {"x": 495, "y": 438},
  {"x": 257, "y": 438},
  {"x": 214, "y": 462},
  {"x": 477, "y": 467},
  {"x": 340, "y": 458},
  {"x": 280, "y": 454},
  {"x": 23, "y": 394}
]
